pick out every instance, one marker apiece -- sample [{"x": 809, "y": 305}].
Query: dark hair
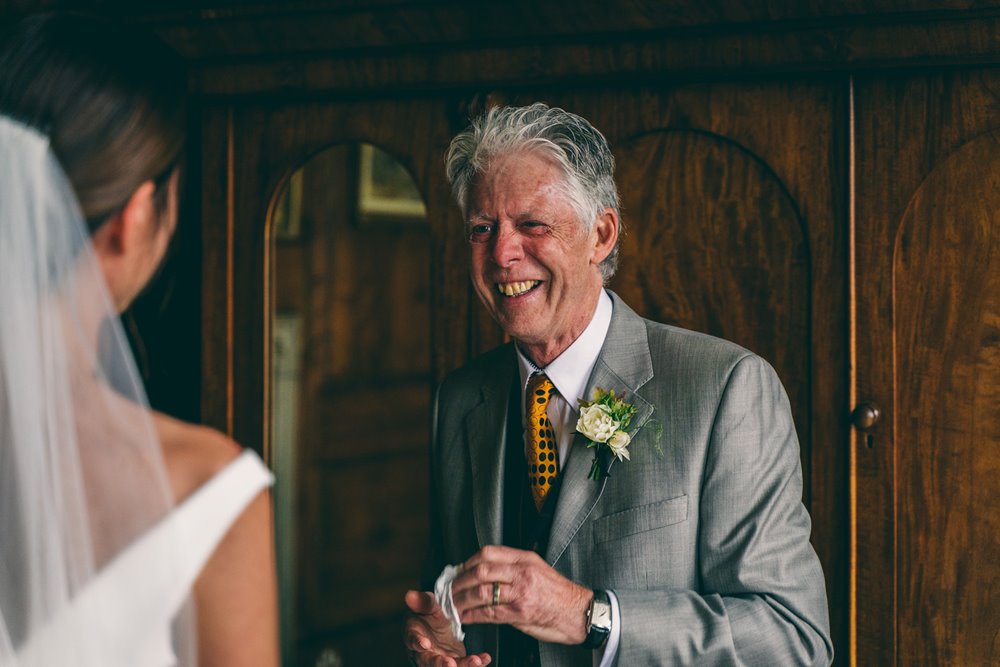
[{"x": 111, "y": 98}]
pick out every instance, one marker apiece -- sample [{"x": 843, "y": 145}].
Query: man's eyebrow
[
  {"x": 479, "y": 217},
  {"x": 524, "y": 215}
]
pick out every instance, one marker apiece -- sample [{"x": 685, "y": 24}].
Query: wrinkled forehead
[{"x": 518, "y": 182}]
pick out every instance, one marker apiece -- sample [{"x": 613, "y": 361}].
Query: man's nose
[{"x": 507, "y": 246}]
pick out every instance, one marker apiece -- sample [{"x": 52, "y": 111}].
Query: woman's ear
[
  {"x": 119, "y": 243},
  {"x": 122, "y": 231}
]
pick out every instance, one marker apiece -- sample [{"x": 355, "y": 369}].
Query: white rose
[
  {"x": 618, "y": 443},
  {"x": 596, "y": 423}
]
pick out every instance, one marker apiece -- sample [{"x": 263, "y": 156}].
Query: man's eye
[
  {"x": 480, "y": 232},
  {"x": 533, "y": 227}
]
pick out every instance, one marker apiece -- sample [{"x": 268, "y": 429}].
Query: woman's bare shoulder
[{"x": 193, "y": 454}]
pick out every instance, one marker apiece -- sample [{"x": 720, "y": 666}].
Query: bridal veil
[{"x": 81, "y": 470}]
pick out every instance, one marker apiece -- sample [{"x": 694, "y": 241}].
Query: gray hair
[{"x": 571, "y": 141}]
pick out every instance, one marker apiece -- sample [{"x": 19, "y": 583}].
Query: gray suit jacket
[{"x": 706, "y": 547}]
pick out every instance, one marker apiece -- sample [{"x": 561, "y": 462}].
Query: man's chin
[{"x": 522, "y": 329}]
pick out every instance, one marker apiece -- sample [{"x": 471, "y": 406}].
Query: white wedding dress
[{"x": 128, "y": 612}]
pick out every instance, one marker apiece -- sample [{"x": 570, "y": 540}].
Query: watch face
[
  {"x": 599, "y": 620},
  {"x": 602, "y": 615}
]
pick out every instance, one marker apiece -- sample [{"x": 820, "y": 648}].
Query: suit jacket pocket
[{"x": 640, "y": 519}]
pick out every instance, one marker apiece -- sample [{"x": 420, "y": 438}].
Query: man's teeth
[{"x": 515, "y": 289}]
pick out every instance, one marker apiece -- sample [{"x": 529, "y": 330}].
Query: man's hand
[
  {"x": 429, "y": 639},
  {"x": 534, "y": 598}
]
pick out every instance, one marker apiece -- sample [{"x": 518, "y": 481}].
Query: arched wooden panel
[
  {"x": 946, "y": 310},
  {"x": 370, "y": 351},
  {"x": 355, "y": 284},
  {"x": 714, "y": 243}
]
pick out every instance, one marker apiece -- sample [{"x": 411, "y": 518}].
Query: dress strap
[{"x": 206, "y": 515}]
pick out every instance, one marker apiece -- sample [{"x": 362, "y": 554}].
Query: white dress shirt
[{"x": 569, "y": 373}]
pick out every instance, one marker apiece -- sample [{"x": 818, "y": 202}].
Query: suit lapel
[
  {"x": 624, "y": 365},
  {"x": 485, "y": 437}
]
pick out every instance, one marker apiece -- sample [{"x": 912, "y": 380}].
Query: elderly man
[{"x": 613, "y": 489}]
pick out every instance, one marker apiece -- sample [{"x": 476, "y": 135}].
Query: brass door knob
[{"x": 865, "y": 416}]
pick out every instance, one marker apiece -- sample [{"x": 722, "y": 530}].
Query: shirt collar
[{"x": 570, "y": 371}]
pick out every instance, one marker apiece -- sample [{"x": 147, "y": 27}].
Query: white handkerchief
[{"x": 442, "y": 591}]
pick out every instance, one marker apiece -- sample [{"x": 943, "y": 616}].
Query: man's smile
[{"x": 517, "y": 288}]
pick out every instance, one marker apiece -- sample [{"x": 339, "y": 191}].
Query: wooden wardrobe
[{"x": 820, "y": 184}]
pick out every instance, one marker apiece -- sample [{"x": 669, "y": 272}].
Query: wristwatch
[{"x": 598, "y": 620}]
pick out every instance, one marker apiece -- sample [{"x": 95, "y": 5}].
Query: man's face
[{"x": 534, "y": 266}]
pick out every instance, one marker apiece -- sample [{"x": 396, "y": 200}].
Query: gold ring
[{"x": 496, "y": 593}]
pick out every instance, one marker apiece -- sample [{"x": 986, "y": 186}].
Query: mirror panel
[{"x": 351, "y": 389}]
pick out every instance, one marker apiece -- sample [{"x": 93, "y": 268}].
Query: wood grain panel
[
  {"x": 216, "y": 236},
  {"x": 908, "y": 126},
  {"x": 947, "y": 315},
  {"x": 270, "y": 28},
  {"x": 387, "y": 417},
  {"x": 635, "y": 58},
  {"x": 715, "y": 245},
  {"x": 369, "y": 537},
  {"x": 350, "y": 24}
]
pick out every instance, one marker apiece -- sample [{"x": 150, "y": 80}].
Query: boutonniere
[{"x": 604, "y": 420}]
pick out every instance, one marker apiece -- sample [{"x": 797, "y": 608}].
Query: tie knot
[{"x": 539, "y": 388}]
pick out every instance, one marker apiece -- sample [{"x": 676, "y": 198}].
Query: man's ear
[
  {"x": 605, "y": 235},
  {"x": 122, "y": 231}
]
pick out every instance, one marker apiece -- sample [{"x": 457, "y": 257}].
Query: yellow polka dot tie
[{"x": 543, "y": 453}]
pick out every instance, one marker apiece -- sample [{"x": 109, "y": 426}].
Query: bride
[{"x": 127, "y": 538}]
